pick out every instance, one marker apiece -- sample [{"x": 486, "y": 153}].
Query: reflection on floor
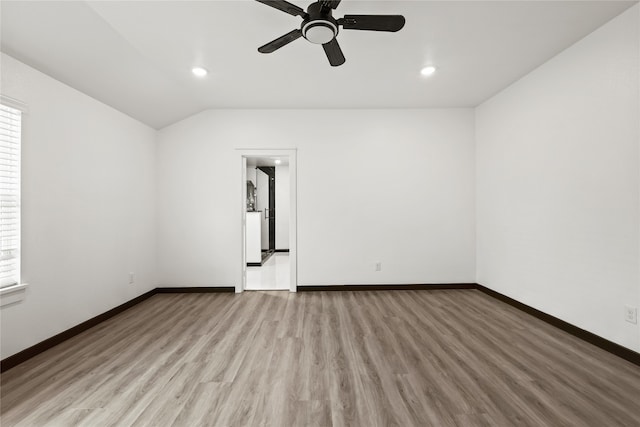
[{"x": 272, "y": 276}]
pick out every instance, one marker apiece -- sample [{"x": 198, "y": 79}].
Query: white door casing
[{"x": 291, "y": 155}]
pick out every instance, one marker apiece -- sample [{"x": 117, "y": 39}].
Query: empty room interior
[{"x": 320, "y": 213}]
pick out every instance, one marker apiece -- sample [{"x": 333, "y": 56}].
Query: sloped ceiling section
[{"x": 136, "y": 55}]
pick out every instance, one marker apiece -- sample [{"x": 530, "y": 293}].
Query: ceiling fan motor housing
[{"x": 320, "y": 27}]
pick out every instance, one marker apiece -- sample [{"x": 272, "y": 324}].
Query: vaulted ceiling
[{"x": 137, "y": 55}]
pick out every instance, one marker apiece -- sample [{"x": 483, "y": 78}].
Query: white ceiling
[
  {"x": 267, "y": 161},
  {"x": 136, "y": 55}
]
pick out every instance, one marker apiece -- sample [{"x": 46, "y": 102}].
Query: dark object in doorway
[
  {"x": 251, "y": 196},
  {"x": 265, "y": 256}
]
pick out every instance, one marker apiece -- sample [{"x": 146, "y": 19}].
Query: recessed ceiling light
[
  {"x": 278, "y": 161},
  {"x": 427, "y": 71},
  {"x": 199, "y": 71}
]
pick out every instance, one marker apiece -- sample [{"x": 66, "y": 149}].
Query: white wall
[
  {"x": 558, "y": 184},
  {"x": 282, "y": 207},
  {"x": 395, "y": 186},
  {"x": 88, "y": 208},
  {"x": 251, "y": 174}
]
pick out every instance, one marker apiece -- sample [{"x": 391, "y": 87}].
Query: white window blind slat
[{"x": 10, "y": 134}]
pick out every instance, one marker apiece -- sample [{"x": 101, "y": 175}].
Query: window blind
[{"x": 10, "y": 127}]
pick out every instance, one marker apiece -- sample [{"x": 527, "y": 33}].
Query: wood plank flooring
[{"x": 377, "y": 358}]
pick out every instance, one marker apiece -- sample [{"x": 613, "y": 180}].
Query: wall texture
[
  {"x": 558, "y": 184},
  {"x": 88, "y": 208},
  {"x": 395, "y": 186}
]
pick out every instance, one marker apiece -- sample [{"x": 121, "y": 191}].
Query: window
[{"x": 10, "y": 128}]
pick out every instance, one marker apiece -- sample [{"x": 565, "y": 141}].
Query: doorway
[{"x": 268, "y": 220}]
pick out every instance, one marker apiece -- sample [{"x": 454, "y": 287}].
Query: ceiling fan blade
[
  {"x": 330, "y": 3},
  {"x": 285, "y": 6},
  {"x": 334, "y": 53},
  {"x": 280, "y": 41},
  {"x": 391, "y": 23}
]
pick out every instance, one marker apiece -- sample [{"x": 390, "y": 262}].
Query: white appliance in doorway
[{"x": 254, "y": 244}]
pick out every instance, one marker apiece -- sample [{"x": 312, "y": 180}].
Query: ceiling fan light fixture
[
  {"x": 427, "y": 71},
  {"x": 199, "y": 71},
  {"x": 320, "y": 27},
  {"x": 319, "y": 31}
]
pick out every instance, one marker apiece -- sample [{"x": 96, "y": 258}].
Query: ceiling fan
[{"x": 320, "y": 27}]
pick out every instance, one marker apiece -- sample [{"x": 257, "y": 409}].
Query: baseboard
[
  {"x": 400, "y": 287},
  {"x": 36, "y": 349},
  {"x": 282, "y": 250},
  {"x": 587, "y": 336},
  {"x": 195, "y": 290}
]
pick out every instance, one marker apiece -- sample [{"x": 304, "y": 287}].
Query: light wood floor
[{"x": 385, "y": 358}]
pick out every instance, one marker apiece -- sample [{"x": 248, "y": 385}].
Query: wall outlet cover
[{"x": 631, "y": 314}]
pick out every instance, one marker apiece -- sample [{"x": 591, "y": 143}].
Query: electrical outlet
[
  {"x": 378, "y": 266},
  {"x": 631, "y": 314},
  {"x": 132, "y": 278}
]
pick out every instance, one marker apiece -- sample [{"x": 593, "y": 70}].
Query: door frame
[{"x": 291, "y": 154}]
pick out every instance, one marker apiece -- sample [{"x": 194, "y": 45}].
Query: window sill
[{"x": 12, "y": 294}]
